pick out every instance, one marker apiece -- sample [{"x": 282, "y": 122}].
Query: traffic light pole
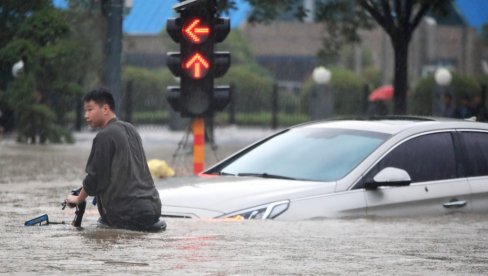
[{"x": 198, "y": 129}]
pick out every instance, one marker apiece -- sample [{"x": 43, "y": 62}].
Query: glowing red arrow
[
  {"x": 197, "y": 65},
  {"x": 195, "y": 32}
]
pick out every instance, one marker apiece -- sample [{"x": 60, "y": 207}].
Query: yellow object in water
[{"x": 160, "y": 169}]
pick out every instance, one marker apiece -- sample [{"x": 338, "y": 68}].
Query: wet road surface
[{"x": 35, "y": 179}]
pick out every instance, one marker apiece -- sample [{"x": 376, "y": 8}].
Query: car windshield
[{"x": 315, "y": 154}]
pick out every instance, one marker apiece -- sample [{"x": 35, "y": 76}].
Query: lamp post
[
  {"x": 443, "y": 78},
  {"x": 7, "y": 121},
  {"x": 17, "y": 68},
  {"x": 321, "y": 97}
]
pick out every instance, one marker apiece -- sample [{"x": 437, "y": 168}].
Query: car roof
[{"x": 395, "y": 124}]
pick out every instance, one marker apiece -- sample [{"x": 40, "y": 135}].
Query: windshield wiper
[
  {"x": 225, "y": 173},
  {"x": 266, "y": 175}
]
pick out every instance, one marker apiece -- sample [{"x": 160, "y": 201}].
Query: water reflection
[
  {"x": 185, "y": 251},
  {"x": 94, "y": 235},
  {"x": 193, "y": 249}
]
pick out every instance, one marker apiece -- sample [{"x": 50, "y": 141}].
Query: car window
[
  {"x": 426, "y": 158},
  {"x": 476, "y": 145},
  {"x": 308, "y": 153}
]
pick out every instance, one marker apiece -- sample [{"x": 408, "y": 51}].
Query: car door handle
[{"x": 455, "y": 204}]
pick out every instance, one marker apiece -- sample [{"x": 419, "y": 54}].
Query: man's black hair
[{"x": 100, "y": 96}]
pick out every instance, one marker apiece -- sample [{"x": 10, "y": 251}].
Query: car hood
[{"x": 213, "y": 196}]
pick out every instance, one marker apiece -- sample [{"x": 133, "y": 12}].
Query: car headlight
[{"x": 267, "y": 211}]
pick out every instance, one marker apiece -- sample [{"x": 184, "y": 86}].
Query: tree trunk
[{"x": 400, "y": 83}]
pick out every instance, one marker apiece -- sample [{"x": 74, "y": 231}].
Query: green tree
[
  {"x": 343, "y": 19},
  {"x": 12, "y": 14},
  {"x": 53, "y": 71},
  {"x": 88, "y": 30}
]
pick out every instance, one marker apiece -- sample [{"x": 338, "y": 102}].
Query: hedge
[{"x": 420, "y": 102}]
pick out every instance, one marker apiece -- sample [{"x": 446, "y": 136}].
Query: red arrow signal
[
  {"x": 195, "y": 32},
  {"x": 196, "y": 66}
]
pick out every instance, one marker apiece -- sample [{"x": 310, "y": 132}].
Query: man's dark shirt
[{"x": 117, "y": 173}]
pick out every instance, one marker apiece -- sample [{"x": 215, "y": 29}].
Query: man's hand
[{"x": 72, "y": 201}]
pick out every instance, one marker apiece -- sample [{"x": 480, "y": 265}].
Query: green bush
[
  {"x": 483, "y": 80},
  {"x": 262, "y": 119},
  {"x": 252, "y": 91},
  {"x": 420, "y": 102},
  {"x": 35, "y": 121},
  {"x": 254, "y": 119},
  {"x": 348, "y": 92},
  {"x": 151, "y": 117},
  {"x": 372, "y": 76},
  {"x": 148, "y": 88},
  {"x": 348, "y": 89}
]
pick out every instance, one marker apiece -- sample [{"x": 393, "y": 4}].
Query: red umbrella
[{"x": 382, "y": 93}]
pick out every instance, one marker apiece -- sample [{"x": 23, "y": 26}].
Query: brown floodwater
[{"x": 35, "y": 179}]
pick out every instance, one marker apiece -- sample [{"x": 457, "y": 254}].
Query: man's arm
[
  {"x": 97, "y": 169},
  {"x": 99, "y": 163}
]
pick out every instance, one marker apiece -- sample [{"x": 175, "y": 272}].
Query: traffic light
[{"x": 197, "y": 64}]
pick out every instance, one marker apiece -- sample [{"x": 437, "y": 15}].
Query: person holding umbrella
[{"x": 378, "y": 98}]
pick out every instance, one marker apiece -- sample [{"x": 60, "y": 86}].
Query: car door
[
  {"x": 437, "y": 186},
  {"x": 476, "y": 153}
]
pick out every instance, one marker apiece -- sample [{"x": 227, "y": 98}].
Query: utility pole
[{"x": 112, "y": 10}]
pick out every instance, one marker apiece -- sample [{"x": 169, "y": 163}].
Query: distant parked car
[{"x": 387, "y": 167}]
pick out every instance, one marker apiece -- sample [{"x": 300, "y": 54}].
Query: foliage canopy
[{"x": 55, "y": 61}]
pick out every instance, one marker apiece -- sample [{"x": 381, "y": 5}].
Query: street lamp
[
  {"x": 321, "y": 97},
  {"x": 443, "y": 78},
  {"x": 17, "y": 68},
  {"x": 321, "y": 75}
]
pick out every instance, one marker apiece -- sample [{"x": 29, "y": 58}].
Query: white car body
[{"x": 225, "y": 196}]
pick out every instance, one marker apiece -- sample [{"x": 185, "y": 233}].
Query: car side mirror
[{"x": 389, "y": 176}]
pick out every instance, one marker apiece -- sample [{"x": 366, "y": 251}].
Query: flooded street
[{"x": 35, "y": 179}]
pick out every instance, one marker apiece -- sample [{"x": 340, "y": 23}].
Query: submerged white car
[{"x": 388, "y": 167}]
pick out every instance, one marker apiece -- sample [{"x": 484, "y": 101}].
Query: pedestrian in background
[
  {"x": 464, "y": 111},
  {"x": 448, "y": 109},
  {"x": 378, "y": 108},
  {"x": 478, "y": 109}
]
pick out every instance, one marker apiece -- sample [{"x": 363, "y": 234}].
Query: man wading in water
[{"x": 117, "y": 171}]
